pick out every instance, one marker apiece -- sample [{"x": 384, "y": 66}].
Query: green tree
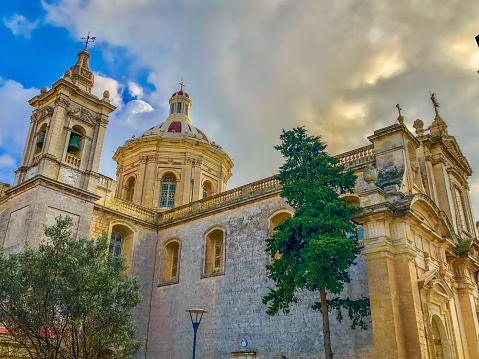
[
  {"x": 67, "y": 299},
  {"x": 315, "y": 250}
]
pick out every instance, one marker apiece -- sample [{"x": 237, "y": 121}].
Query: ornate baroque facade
[{"x": 195, "y": 244}]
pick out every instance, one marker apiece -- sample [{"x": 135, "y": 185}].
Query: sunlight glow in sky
[{"x": 251, "y": 68}]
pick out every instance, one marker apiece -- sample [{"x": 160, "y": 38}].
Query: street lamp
[{"x": 195, "y": 315}]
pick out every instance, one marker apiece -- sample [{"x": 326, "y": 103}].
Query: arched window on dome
[
  {"x": 206, "y": 189},
  {"x": 178, "y": 107},
  {"x": 168, "y": 188},
  {"x": 130, "y": 189},
  {"x": 116, "y": 243},
  {"x": 172, "y": 108},
  {"x": 186, "y": 109}
]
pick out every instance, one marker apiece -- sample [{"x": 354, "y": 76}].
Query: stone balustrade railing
[
  {"x": 127, "y": 207},
  {"x": 250, "y": 191},
  {"x": 105, "y": 181},
  {"x": 72, "y": 160},
  {"x": 36, "y": 158},
  {"x": 358, "y": 156}
]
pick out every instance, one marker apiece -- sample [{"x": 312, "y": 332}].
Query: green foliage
[
  {"x": 314, "y": 246},
  {"x": 68, "y": 298},
  {"x": 357, "y": 310}
]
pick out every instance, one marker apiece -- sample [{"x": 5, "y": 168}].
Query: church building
[{"x": 195, "y": 244}]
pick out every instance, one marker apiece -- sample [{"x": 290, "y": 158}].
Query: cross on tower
[
  {"x": 399, "y": 109},
  {"x": 88, "y": 39},
  {"x": 182, "y": 85}
]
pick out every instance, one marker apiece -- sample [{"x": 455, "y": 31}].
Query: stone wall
[
  {"x": 234, "y": 299},
  {"x": 31, "y": 207}
]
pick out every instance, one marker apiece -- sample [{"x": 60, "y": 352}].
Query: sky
[{"x": 251, "y": 68}]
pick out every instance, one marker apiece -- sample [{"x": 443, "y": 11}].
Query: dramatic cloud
[
  {"x": 20, "y": 25},
  {"x": 103, "y": 83},
  {"x": 255, "y": 67}
]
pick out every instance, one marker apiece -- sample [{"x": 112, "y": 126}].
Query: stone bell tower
[
  {"x": 66, "y": 130},
  {"x": 58, "y": 173}
]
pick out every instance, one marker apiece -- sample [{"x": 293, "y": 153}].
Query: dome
[
  {"x": 180, "y": 93},
  {"x": 171, "y": 128}
]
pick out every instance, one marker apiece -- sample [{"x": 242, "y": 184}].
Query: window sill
[
  {"x": 215, "y": 273},
  {"x": 169, "y": 282}
]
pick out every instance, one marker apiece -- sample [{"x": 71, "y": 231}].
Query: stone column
[
  {"x": 197, "y": 184},
  {"x": 188, "y": 170},
  {"x": 465, "y": 290},
  {"x": 140, "y": 181},
  {"x": 149, "y": 180}
]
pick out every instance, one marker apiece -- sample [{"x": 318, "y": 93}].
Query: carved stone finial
[
  {"x": 419, "y": 126},
  {"x": 68, "y": 74},
  {"x": 106, "y": 96},
  {"x": 43, "y": 89},
  {"x": 370, "y": 175}
]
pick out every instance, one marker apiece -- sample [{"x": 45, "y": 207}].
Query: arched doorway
[{"x": 442, "y": 348}]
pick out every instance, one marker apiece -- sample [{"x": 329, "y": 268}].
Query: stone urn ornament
[{"x": 370, "y": 174}]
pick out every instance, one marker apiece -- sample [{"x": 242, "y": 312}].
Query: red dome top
[
  {"x": 180, "y": 93},
  {"x": 175, "y": 127}
]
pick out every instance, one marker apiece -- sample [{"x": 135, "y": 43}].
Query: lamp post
[{"x": 195, "y": 315}]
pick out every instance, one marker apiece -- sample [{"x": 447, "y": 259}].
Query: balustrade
[
  {"x": 357, "y": 156},
  {"x": 72, "y": 160},
  {"x": 104, "y": 181},
  {"x": 36, "y": 158},
  {"x": 247, "y": 192}
]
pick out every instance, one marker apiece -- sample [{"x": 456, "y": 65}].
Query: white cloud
[
  {"x": 115, "y": 88},
  {"x": 135, "y": 90},
  {"x": 15, "y": 114},
  {"x": 20, "y": 25},
  {"x": 7, "y": 161}
]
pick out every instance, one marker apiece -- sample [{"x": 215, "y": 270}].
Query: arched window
[
  {"x": 116, "y": 243},
  {"x": 178, "y": 107},
  {"x": 172, "y": 108},
  {"x": 168, "y": 188},
  {"x": 41, "y": 138},
  {"x": 130, "y": 189},
  {"x": 205, "y": 192},
  {"x": 274, "y": 222},
  {"x": 171, "y": 262},
  {"x": 75, "y": 143},
  {"x": 214, "y": 253}
]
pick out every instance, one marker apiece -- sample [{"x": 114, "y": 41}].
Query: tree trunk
[{"x": 326, "y": 333}]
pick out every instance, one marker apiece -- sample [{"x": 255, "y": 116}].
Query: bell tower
[
  {"x": 66, "y": 130},
  {"x": 58, "y": 173}
]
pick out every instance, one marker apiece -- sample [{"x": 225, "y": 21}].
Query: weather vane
[
  {"x": 89, "y": 39},
  {"x": 434, "y": 102},
  {"x": 182, "y": 85}
]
